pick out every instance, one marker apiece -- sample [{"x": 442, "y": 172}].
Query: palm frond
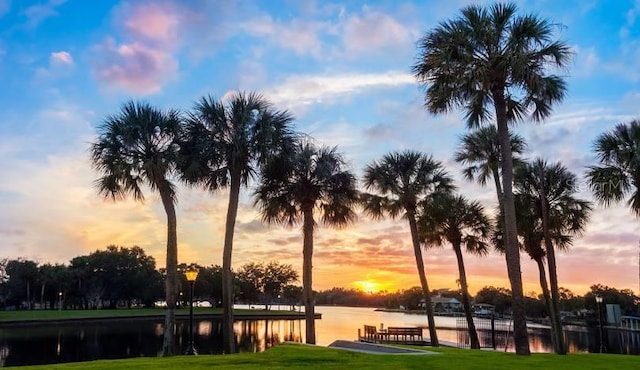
[
  {"x": 138, "y": 146},
  {"x": 238, "y": 135},
  {"x": 311, "y": 177},
  {"x": 491, "y": 50}
]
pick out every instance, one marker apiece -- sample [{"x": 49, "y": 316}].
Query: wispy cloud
[
  {"x": 60, "y": 64},
  {"x": 309, "y": 89},
  {"x": 586, "y": 61},
  {"x": 36, "y": 14},
  {"x": 301, "y": 36},
  {"x": 375, "y": 32}
]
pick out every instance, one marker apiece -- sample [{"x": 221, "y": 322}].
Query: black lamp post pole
[
  {"x": 191, "y": 350},
  {"x": 600, "y": 328}
]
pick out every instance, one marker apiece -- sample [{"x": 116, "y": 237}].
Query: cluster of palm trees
[
  {"x": 488, "y": 57},
  {"x": 495, "y": 65}
]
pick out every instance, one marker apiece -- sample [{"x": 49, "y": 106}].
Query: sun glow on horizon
[{"x": 368, "y": 286}]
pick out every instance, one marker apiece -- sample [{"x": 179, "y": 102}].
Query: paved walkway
[{"x": 380, "y": 349}]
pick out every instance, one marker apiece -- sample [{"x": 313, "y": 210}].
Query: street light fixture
[
  {"x": 191, "y": 275},
  {"x": 59, "y": 301},
  {"x": 598, "y": 302}
]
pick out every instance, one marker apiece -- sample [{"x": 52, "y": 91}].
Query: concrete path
[{"x": 379, "y": 349}]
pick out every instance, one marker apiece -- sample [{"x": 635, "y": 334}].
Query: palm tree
[
  {"x": 479, "y": 152},
  {"x": 224, "y": 146},
  {"x": 549, "y": 191},
  {"x": 310, "y": 180},
  {"x": 618, "y": 175},
  {"x": 137, "y": 147},
  {"x": 401, "y": 181},
  {"x": 459, "y": 222},
  {"x": 489, "y": 56},
  {"x": 532, "y": 236}
]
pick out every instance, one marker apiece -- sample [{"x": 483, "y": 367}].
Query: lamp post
[
  {"x": 598, "y": 302},
  {"x": 59, "y": 301},
  {"x": 191, "y": 276}
]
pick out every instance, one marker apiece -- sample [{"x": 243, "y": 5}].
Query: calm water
[{"x": 135, "y": 338}]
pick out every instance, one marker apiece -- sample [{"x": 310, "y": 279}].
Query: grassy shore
[
  {"x": 55, "y": 315},
  {"x": 297, "y": 356}
]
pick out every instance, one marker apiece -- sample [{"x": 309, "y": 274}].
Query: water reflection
[
  {"x": 55, "y": 343},
  {"x": 29, "y": 345}
]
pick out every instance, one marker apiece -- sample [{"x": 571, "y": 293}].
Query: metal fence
[{"x": 492, "y": 333}]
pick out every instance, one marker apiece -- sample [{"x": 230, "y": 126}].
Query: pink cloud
[
  {"x": 60, "y": 65},
  {"x": 135, "y": 67},
  {"x": 154, "y": 23},
  {"x": 146, "y": 61},
  {"x": 151, "y": 34},
  {"x": 60, "y": 58}
]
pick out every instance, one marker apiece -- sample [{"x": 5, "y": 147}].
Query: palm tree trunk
[
  {"x": 546, "y": 295},
  {"x": 555, "y": 304},
  {"x": 496, "y": 180},
  {"x": 466, "y": 304},
  {"x": 307, "y": 276},
  {"x": 511, "y": 249},
  {"x": 433, "y": 336},
  {"x": 554, "y": 308},
  {"x": 171, "y": 280},
  {"x": 227, "y": 275}
]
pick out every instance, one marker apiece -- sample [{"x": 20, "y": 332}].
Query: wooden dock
[{"x": 393, "y": 335}]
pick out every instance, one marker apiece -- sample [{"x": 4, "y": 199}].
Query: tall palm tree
[
  {"x": 549, "y": 191},
  {"x": 492, "y": 57},
  {"x": 479, "y": 152},
  {"x": 135, "y": 148},
  {"x": 292, "y": 189},
  {"x": 224, "y": 146},
  {"x": 618, "y": 175},
  {"x": 454, "y": 219},
  {"x": 401, "y": 180}
]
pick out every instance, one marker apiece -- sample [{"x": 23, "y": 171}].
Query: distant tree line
[
  {"x": 500, "y": 298},
  {"x": 128, "y": 277}
]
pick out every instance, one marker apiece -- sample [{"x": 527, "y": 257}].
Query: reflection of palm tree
[
  {"x": 293, "y": 188},
  {"x": 618, "y": 175},
  {"x": 225, "y": 145},
  {"x": 549, "y": 212},
  {"x": 137, "y": 147},
  {"x": 487, "y": 57},
  {"x": 401, "y": 181},
  {"x": 461, "y": 223}
]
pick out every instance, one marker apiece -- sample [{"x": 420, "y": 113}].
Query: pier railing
[{"x": 492, "y": 333}]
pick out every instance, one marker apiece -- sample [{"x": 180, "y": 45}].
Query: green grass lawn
[
  {"x": 9, "y": 316},
  {"x": 297, "y": 356}
]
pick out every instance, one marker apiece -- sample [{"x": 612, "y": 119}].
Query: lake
[{"x": 54, "y": 343}]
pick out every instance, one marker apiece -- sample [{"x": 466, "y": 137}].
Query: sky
[{"x": 343, "y": 69}]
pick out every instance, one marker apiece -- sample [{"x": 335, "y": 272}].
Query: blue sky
[{"x": 343, "y": 69}]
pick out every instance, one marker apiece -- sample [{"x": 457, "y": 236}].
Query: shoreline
[
  {"x": 537, "y": 321},
  {"x": 104, "y": 316}
]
